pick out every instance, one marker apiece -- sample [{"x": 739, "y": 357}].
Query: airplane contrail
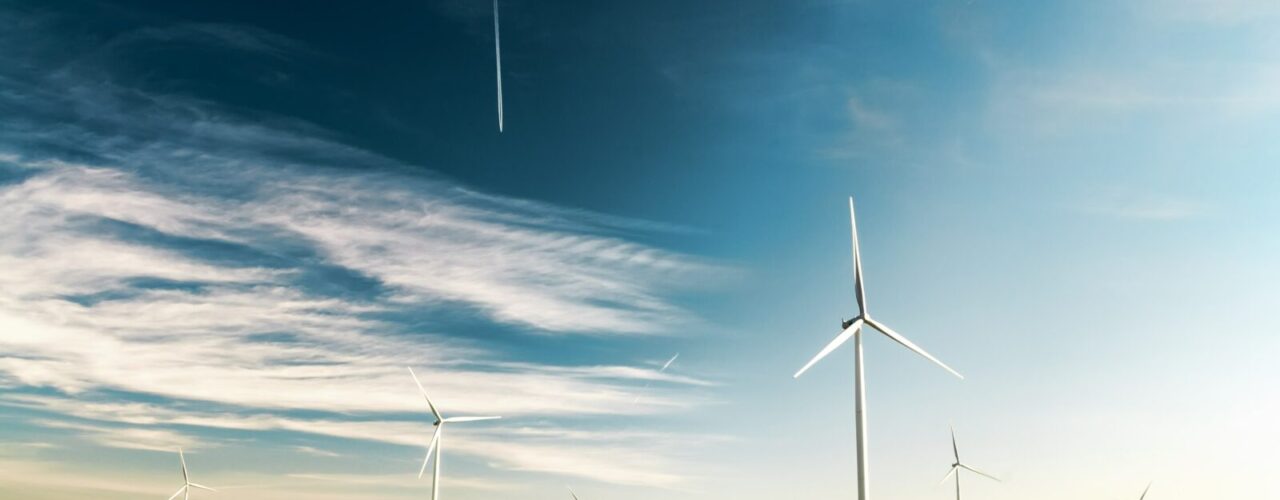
[
  {"x": 497, "y": 56},
  {"x": 660, "y": 370}
]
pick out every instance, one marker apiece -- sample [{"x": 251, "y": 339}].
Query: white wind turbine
[
  {"x": 853, "y": 329},
  {"x": 437, "y": 437},
  {"x": 1144, "y": 492},
  {"x": 958, "y": 465},
  {"x": 185, "y": 491},
  {"x": 571, "y": 493}
]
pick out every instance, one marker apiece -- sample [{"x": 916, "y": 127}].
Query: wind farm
[{"x": 228, "y": 229}]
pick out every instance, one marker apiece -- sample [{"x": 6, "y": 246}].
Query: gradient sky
[{"x": 229, "y": 226}]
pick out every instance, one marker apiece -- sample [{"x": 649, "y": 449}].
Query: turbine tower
[
  {"x": 853, "y": 329},
  {"x": 959, "y": 465},
  {"x": 437, "y": 437},
  {"x": 185, "y": 490}
]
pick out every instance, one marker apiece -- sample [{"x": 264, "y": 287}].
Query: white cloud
[
  {"x": 311, "y": 450},
  {"x": 238, "y": 272},
  {"x": 131, "y": 438},
  {"x": 1133, "y": 205},
  {"x": 619, "y": 456},
  {"x": 1214, "y": 12}
]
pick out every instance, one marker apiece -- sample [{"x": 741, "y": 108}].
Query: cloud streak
[{"x": 239, "y": 271}]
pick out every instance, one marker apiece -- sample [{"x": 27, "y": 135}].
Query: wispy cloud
[
  {"x": 1139, "y": 206},
  {"x": 311, "y": 450},
  {"x": 615, "y": 455},
  {"x": 131, "y": 438},
  {"x": 234, "y": 268}
]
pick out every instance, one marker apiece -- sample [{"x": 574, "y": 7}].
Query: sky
[{"x": 230, "y": 226}]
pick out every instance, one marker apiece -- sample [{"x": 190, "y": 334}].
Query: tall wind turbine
[
  {"x": 853, "y": 329},
  {"x": 497, "y": 57},
  {"x": 185, "y": 490},
  {"x": 959, "y": 465},
  {"x": 437, "y": 437}
]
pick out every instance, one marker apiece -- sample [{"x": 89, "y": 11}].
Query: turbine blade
[
  {"x": 954, "y": 449},
  {"x": 431, "y": 448},
  {"x": 1144, "y": 492},
  {"x": 180, "y": 490},
  {"x": 909, "y": 345},
  {"x": 949, "y": 474},
  {"x": 980, "y": 473},
  {"x": 840, "y": 339},
  {"x": 571, "y": 493},
  {"x": 194, "y": 485},
  {"x": 469, "y": 419},
  {"x": 497, "y": 59},
  {"x": 857, "y": 263},
  {"x": 183, "y": 459},
  {"x": 434, "y": 411}
]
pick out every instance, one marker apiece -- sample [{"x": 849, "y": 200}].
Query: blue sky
[{"x": 229, "y": 227}]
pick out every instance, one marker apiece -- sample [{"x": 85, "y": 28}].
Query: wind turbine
[
  {"x": 571, "y": 493},
  {"x": 853, "y": 329},
  {"x": 185, "y": 490},
  {"x": 958, "y": 465},
  {"x": 437, "y": 437},
  {"x": 1144, "y": 492}
]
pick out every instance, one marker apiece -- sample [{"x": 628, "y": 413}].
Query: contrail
[
  {"x": 660, "y": 370},
  {"x": 668, "y": 363},
  {"x": 497, "y": 55}
]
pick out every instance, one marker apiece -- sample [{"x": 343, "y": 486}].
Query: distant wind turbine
[
  {"x": 853, "y": 329},
  {"x": 1144, "y": 492},
  {"x": 660, "y": 370},
  {"x": 185, "y": 490},
  {"x": 497, "y": 57},
  {"x": 437, "y": 437},
  {"x": 958, "y": 465},
  {"x": 571, "y": 493}
]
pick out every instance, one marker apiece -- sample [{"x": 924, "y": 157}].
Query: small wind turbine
[
  {"x": 185, "y": 491},
  {"x": 1144, "y": 492},
  {"x": 437, "y": 437},
  {"x": 853, "y": 329},
  {"x": 958, "y": 465}
]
